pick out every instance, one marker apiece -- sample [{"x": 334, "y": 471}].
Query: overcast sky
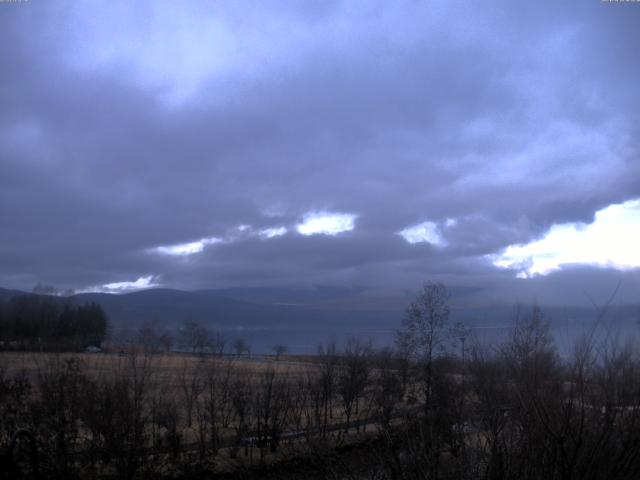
[{"x": 357, "y": 143}]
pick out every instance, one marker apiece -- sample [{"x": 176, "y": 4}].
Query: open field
[
  {"x": 167, "y": 367},
  {"x": 237, "y": 409}
]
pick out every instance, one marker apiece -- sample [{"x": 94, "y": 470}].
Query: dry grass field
[
  {"x": 167, "y": 370},
  {"x": 238, "y": 390}
]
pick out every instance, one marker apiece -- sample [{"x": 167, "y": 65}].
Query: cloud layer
[
  {"x": 136, "y": 137},
  {"x": 610, "y": 241}
]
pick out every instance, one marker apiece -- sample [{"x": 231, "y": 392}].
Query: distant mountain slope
[
  {"x": 356, "y": 298},
  {"x": 250, "y": 309},
  {"x": 218, "y": 309},
  {"x": 6, "y": 293},
  {"x": 319, "y": 308},
  {"x": 171, "y": 307}
]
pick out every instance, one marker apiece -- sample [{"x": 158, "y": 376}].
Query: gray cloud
[{"x": 125, "y": 127}]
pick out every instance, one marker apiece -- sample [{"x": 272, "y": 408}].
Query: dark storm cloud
[{"x": 129, "y": 126}]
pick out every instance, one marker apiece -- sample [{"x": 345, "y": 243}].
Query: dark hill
[{"x": 317, "y": 309}]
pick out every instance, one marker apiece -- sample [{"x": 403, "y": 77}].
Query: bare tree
[
  {"x": 389, "y": 389},
  {"x": 191, "y": 386},
  {"x": 166, "y": 341},
  {"x": 270, "y": 407},
  {"x": 328, "y": 359},
  {"x": 165, "y": 417},
  {"x": 422, "y": 337},
  {"x": 279, "y": 350},
  {"x": 460, "y": 334},
  {"x": 353, "y": 376},
  {"x": 58, "y": 409},
  {"x": 195, "y": 336},
  {"x": 216, "y": 405},
  {"x": 241, "y": 402},
  {"x": 148, "y": 337},
  {"x": 116, "y": 410},
  {"x": 217, "y": 343},
  {"x": 240, "y": 347}
]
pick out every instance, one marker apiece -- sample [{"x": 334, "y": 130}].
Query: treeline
[
  {"x": 37, "y": 322},
  {"x": 190, "y": 336},
  {"x": 425, "y": 409}
]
